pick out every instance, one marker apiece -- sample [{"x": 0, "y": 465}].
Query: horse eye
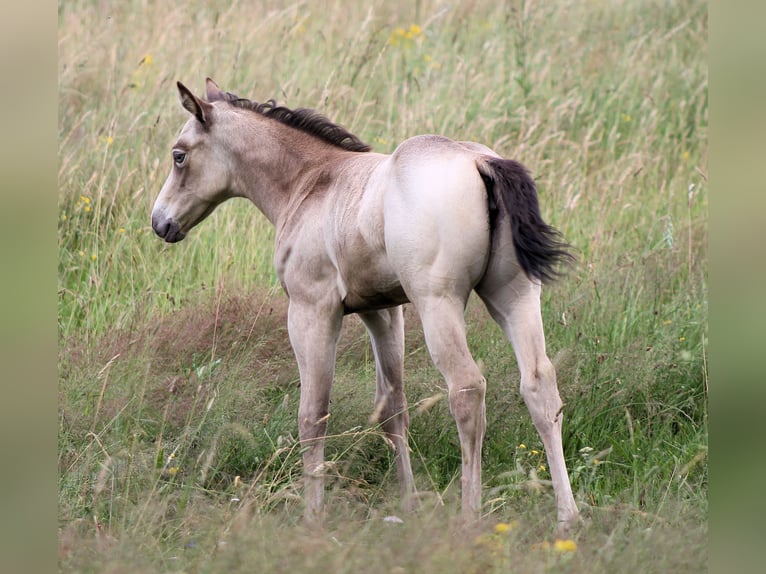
[{"x": 179, "y": 157}]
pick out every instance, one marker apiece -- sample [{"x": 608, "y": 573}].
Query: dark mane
[{"x": 304, "y": 119}]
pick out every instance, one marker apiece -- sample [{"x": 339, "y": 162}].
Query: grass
[{"x": 177, "y": 386}]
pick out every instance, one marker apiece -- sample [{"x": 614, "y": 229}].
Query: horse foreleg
[
  {"x": 314, "y": 337},
  {"x": 386, "y": 328}
]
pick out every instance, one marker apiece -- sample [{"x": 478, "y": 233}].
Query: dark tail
[{"x": 540, "y": 248}]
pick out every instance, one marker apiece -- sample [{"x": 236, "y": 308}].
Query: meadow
[{"x": 177, "y": 387}]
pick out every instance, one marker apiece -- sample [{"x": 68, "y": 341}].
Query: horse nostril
[
  {"x": 167, "y": 229},
  {"x": 160, "y": 226}
]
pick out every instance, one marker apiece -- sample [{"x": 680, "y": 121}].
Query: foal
[{"x": 362, "y": 232}]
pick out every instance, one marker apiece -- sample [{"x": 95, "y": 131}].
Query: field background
[{"x": 177, "y": 386}]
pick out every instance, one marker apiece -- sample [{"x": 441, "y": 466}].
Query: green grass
[{"x": 177, "y": 386}]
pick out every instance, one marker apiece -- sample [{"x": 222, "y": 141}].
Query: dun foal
[{"x": 362, "y": 232}]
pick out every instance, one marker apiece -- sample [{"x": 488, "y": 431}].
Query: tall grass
[{"x": 178, "y": 391}]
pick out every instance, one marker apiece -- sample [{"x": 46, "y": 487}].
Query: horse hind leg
[
  {"x": 386, "y": 329},
  {"x": 444, "y": 328},
  {"x": 516, "y": 308}
]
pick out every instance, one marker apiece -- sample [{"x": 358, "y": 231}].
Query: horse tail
[{"x": 512, "y": 195}]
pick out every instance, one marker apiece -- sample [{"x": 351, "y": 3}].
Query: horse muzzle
[{"x": 167, "y": 229}]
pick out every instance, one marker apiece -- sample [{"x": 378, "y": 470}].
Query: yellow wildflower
[
  {"x": 395, "y": 38},
  {"x": 400, "y": 36},
  {"x": 413, "y": 32},
  {"x": 522, "y": 445},
  {"x": 505, "y": 527},
  {"x": 121, "y": 230},
  {"x": 93, "y": 257},
  {"x": 565, "y": 545}
]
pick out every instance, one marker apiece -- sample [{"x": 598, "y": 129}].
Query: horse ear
[
  {"x": 214, "y": 93},
  {"x": 193, "y": 104}
]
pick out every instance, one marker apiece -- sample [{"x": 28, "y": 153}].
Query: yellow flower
[
  {"x": 682, "y": 339},
  {"x": 412, "y": 32},
  {"x": 522, "y": 445},
  {"x": 109, "y": 140},
  {"x": 685, "y": 155},
  {"x": 505, "y": 527},
  {"x": 535, "y": 451},
  {"x": 541, "y": 468},
  {"x": 85, "y": 200},
  {"x": 146, "y": 60},
  {"x": 626, "y": 118},
  {"x": 63, "y": 217},
  {"x": 121, "y": 230},
  {"x": 400, "y": 36},
  {"x": 87, "y": 208},
  {"x": 395, "y": 38},
  {"x": 93, "y": 257},
  {"x": 565, "y": 545}
]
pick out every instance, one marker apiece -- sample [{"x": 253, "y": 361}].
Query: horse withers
[{"x": 363, "y": 232}]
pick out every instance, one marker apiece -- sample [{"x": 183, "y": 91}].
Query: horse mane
[{"x": 304, "y": 119}]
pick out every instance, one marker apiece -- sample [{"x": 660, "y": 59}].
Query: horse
[{"x": 364, "y": 232}]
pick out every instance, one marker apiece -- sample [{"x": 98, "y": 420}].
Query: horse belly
[
  {"x": 370, "y": 285},
  {"x": 355, "y": 230}
]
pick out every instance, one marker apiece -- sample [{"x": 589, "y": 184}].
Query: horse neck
[{"x": 280, "y": 164}]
